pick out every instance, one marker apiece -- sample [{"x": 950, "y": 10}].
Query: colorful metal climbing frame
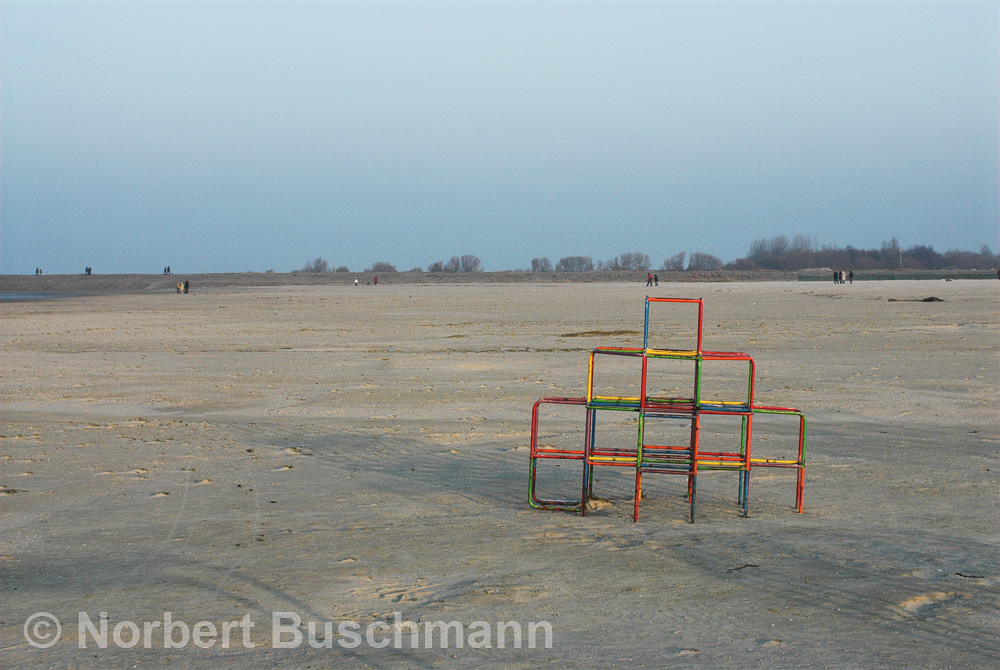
[{"x": 710, "y": 405}]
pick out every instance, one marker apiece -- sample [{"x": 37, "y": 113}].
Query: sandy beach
[{"x": 361, "y": 455}]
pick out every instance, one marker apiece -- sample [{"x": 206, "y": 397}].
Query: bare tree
[
  {"x": 470, "y": 263},
  {"x": 381, "y": 266},
  {"x": 802, "y": 243},
  {"x": 702, "y": 261},
  {"x": 436, "y": 266},
  {"x": 635, "y": 260},
  {"x": 318, "y": 265},
  {"x": 454, "y": 264},
  {"x": 890, "y": 253},
  {"x": 541, "y": 265},
  {"x": 575, "y": 264},
  {"x": 779, "y": 245},
  {"x": 342, "y": 268},
  {"x": 923, "y": 256},
  {"x": 675, "y": 262},
  {"x": 890, "y": 246},
  {"x": 759, "y": 248}
]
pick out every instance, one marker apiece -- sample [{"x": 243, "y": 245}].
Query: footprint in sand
[
  {"x": 925, "y": 606},
  {"x": 408, "y": 593},
  {"x": 677, "y": 651},
  {"x": 206, "y": 480},
  {"x": 161, "y": 494}
]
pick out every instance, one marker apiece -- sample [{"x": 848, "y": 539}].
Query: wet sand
[{"x": 349, "y": 453}]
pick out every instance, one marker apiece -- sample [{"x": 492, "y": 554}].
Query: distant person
[
  {"x": 656, "y": 280},
  {"x": 179, "y": 287},
  {"x": 376, "y": 280},
  {"x": 850, "y": 276},
  {"x": 355, "y": 282},
  {"x": 835, "y": 276},
  {"x": 187, "y": 285},
  {"x": 649, "y": 279}
]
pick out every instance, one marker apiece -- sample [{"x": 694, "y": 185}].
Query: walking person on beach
[
  {"x": 649, "y": 279},
  {"x": 355, "y": 282},
  {"x": 656, "y": 280},
  {"x": 850, "y": 276}
]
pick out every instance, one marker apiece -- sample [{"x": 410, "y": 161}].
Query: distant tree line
[
  {"x": 465, "y": 263},
  {"x": 321, "y": 265},
  {"x": 778, "y": 253},
  {"x": 775, "y": 253},
  {"x": 635, "y": 261}
]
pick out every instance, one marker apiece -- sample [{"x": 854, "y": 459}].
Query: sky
[{"x": 252, "y": 136}]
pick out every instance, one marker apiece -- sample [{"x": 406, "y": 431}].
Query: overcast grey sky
[{"x": 261, "y": 135}]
